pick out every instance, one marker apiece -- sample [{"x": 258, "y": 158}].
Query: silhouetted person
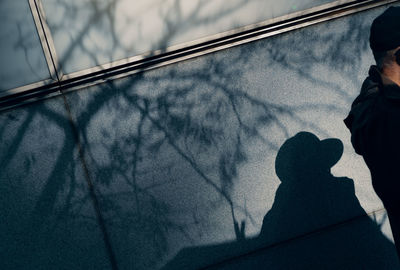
[{"x": 374, "y": 119}]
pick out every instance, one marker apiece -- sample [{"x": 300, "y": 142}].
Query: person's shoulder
[
  {"x": 363, "y": 104},
  {"x": 371, "y": 87}
]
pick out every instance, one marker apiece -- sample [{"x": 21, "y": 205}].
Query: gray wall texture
[{"x": 183, "y": 161}]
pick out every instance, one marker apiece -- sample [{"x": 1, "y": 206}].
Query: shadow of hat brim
[{"x": 332, "y": 149}]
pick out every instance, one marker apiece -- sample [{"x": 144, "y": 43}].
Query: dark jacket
[{"x": 374, "y": 122}]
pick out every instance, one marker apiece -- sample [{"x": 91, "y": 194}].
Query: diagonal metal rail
[{"x": 62, "y": 83}]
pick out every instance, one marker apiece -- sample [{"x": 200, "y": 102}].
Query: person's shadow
[
  {"x": 316, "y": 221},
  {"x": 319, "y": 214},
  {"x": 309, "y": 196}
]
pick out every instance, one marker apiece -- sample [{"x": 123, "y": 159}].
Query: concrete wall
[
  {"x": 182, "y": 160},
  {"x": 47, "y": 217}
]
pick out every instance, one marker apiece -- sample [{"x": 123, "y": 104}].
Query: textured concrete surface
[
  {"x": 185, "y": 170},
  {"x": 184, "y": 156},
  {"x": 47, "y": 219}
]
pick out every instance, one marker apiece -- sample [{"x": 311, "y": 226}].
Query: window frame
[{"x": 60, "y": 83}]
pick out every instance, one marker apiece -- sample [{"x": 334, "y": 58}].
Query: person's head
[
  {"x": 387, "y": 59},
  {"x": 385, "y": 39}
]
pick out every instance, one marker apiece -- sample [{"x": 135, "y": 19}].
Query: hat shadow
[{"x": 305, "y": 156}]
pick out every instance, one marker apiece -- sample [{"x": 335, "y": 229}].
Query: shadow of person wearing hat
[
  {"x": 309, "y": 200},
  {"x": 374, "y": 119},
  {"x": 316, "y": 221},
  {"x": 309, "y": 192}
]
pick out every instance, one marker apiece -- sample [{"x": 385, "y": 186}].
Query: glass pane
[
  {"x": 22, "y": 60},
  {"x": 92, "y": 32}
]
